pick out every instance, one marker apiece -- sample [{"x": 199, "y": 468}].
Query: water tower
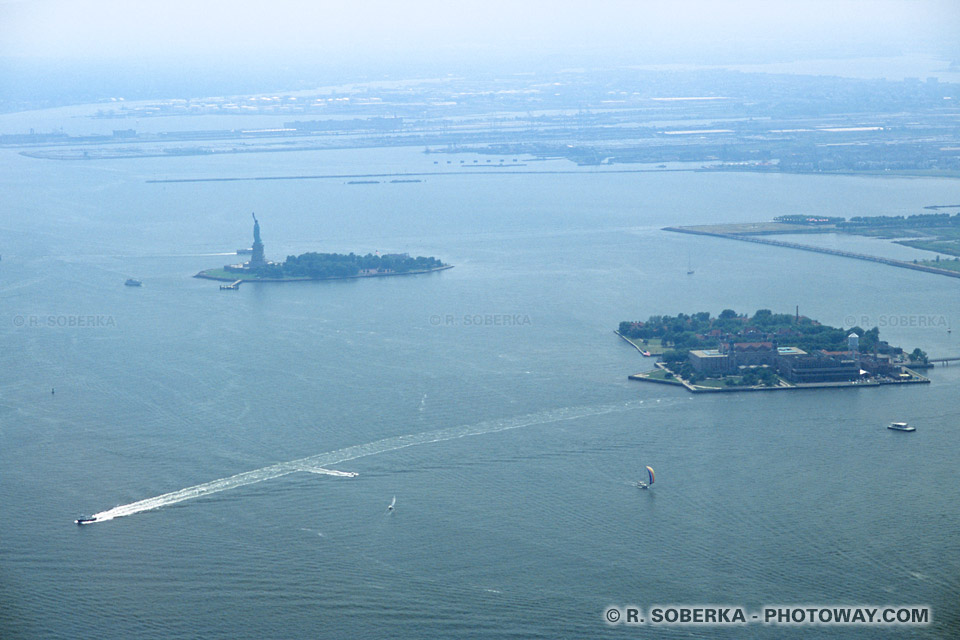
[{"x": 853, "y": 342}]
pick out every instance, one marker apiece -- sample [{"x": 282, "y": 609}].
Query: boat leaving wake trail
[{"x": 319, "y": 463}]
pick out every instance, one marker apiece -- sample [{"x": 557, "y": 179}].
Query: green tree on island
[
  {"x": 684, "y": 332},
  {"x": 338, "y": 265}
]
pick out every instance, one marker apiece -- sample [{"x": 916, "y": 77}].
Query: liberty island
[{"x": 319, "y": 266}]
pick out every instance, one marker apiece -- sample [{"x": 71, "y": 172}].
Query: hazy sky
[{"x": 125, "y": 29}]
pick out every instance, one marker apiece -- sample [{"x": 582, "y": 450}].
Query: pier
[{"x": 805, "y": 247}]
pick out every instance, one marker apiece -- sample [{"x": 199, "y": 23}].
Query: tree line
[
  {"x": 339, "y": 265},
  {"x": 702, "y": 331}
]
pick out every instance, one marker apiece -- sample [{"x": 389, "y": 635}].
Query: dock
[
  {"x": 783, "y": 385},
  {"x": 233, "y": 286}
]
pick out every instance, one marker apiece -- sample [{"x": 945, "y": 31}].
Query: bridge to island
[{"x": 806, "y": 247}]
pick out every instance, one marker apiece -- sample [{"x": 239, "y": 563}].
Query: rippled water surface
[{"x": 491, "y": 399}]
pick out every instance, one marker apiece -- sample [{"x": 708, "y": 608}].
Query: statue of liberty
[{"x": 256, "y": 258}]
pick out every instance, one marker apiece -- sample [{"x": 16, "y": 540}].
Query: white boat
[{"x": 900, "y": 426}]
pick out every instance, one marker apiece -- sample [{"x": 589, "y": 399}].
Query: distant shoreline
[
  {"x": 233, "y": 277},
  {"x": 491, "y": 170}
]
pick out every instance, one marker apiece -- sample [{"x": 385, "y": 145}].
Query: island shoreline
[
  {"x": 768, "y": 352},
  {"x": 206, "y": 275}
]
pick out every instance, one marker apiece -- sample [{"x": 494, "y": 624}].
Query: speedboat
[
  {"x": 86, "y": 520},
  {"x": 900, "y": 426}
]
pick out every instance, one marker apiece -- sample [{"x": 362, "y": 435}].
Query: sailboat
[
  {"x": 689, "y": 265},
  {"x": 650, "y": 477}
]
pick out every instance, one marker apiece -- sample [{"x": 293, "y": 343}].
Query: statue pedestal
[{"x": 256, "y": 256}]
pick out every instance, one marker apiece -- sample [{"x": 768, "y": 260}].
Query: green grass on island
[
  {"x": 952, "y": 265},
  {"x": 652, "y": 346},
  {"x": 223, "y": 274},
  {"x": 947, "y": 247},
  {"x": 660, "y": 374}
]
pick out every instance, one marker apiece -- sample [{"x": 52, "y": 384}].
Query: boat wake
[
  {"x": 329, "y": 472},
  {"x": 319, "y": 463}
]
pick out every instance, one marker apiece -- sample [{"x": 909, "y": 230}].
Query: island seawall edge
[{"x": 205, "y": 274}]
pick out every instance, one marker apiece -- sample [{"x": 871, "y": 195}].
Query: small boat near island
[
  {"x": 900, "y": 426},
  {"x": 133, "y": 282}
]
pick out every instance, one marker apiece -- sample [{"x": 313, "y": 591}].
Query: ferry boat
[
  {"x": 132, "y": 282},
  {"x": 900, "y": 426}
]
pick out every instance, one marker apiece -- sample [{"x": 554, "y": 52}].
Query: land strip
[
  {"x": 713, "y": 230},
  {"x": 491, "y": 170}
]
